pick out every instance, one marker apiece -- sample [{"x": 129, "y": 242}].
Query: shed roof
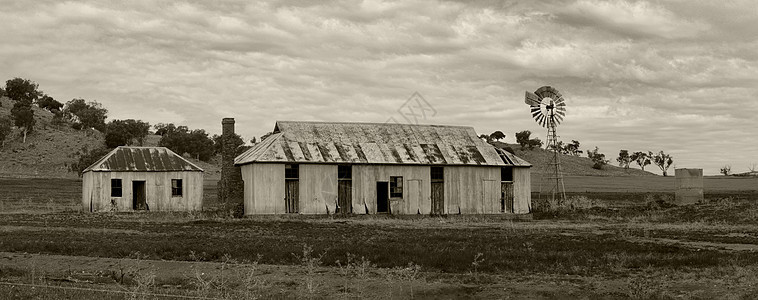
[
  {"x": 376, "y": 143},
  {"x": 142, "y": 159}
]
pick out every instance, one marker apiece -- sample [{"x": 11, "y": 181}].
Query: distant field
[{"x": 643, "y": 184}]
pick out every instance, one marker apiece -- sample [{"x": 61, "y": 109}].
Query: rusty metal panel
[
  {"x": 142, "y": 159},
  {"x": 374, "y": 143}
]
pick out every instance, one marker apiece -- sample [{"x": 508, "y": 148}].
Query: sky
[{"x": 678, "y": 76}]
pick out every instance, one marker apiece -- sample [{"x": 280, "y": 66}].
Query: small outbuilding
[
  {"x": 371, "y": 168},
  {"x": 142, "y": 178}
]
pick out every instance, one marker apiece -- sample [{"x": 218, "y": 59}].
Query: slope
[{"x": 571, "y": 165}]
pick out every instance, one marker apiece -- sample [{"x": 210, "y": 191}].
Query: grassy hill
[
  {"x": 571, "y": 165},
  {"x": 50, "y": 149}
]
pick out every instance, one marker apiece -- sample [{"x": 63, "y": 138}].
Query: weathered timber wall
[{"x": 96, "y": 191}]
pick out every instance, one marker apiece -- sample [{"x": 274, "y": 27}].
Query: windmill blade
[{"x": 532, "y": 99}]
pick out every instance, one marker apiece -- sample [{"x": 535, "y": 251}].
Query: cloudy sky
[{"x": 679, "y": 76}]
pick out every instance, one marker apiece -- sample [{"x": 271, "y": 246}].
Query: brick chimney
[{"x": 230, "y": 187}]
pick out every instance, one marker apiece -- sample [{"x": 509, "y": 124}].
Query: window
[
  {"x": 176, "y": 187},
  {"x": 396, "y": 187},
  {"x": 506, "y": 174},
  {"x": 345, "y": 172},
  {"x": 116, "y": 188},
  {"x": 291, "y": 172},
  {"x": 437, "y": 174}
]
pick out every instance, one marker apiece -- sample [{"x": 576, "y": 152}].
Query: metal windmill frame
[{"x": 548, "y": 108}]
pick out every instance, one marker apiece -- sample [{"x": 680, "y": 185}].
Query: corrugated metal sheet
[
  {"x": 142, "y": 159},
  {"x": 375, "y": 143}
]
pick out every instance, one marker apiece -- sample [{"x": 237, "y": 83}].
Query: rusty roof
[
  {"x": 376, "y": 143},
  {"x": 142, "y": 159}
]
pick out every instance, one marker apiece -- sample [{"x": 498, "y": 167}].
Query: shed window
[
  {"x": 176, "y": 187},
  {"x": 506, "y": 174},
  {"x": 396, "y": 186},
  {"x": 345, "y": 172},
  {"x": 116, "y": 188},
  {"x": 437, "y": 174},
  {"x": 291, "y": 172}
]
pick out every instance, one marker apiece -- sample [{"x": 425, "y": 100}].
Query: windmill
[{"x": 548, "y": 109}]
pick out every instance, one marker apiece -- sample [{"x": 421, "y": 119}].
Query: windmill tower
[{"x": 548, "y": 109}]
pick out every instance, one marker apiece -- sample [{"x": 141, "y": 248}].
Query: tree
[
  {"x": 218, "y": 144},
  {"x": 522, "y": 138},
  {"x": 253, "y": 141},
  {"x": 573, "y": 148},
  {"x": 86, "y": 114},
  {"x": 161, "y": 128},
  {"x": 19, "y": 89},
  {"x": 624, "y": 159},
  {"x": 662, "y": 160},
  {"x": 726, "y": 170},
  {"x": 535, "y": 142},
  {"x": 48, "y": 103},
  {"x": 181, "y": 140},
  {"x": 486, "y": 138},
  {"x": 641, "y": 158},
  {"x": 23, "y": 116},
  {"x": 497, "y": 135},
  {"x": 87, "y": 158},
  {"x": 598, "y": 159},
  {"x": 125, "y": 132},
  {"x": 5, "y": 129},
  {"x": 753, "y": 167}
]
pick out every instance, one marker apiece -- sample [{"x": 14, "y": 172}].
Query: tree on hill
[
  {"x": 5, "y": 130},
  {"x": 181, "y": 140},
  {"x": 486, "y": 138},
  {"x": 2, "y": 94},
  {"x": 641, "y": 158},
  {"x": 125, "y": 132},
  {"x": 726, "y": 170},
  {"x": 662, "y": 160},
  {"x": 48, "y": 103},
  {"x": 86, "y": 115},
  {"x": 497, "y": 135},
  {"x": 598, "y": 159},
  {"x": 624, "y": 159},
  {"x": 19, "y": 89},
  {"x": 263, "y": 137},
  {"x": 23, "y": 116},
  {"x": 523, "y": 139},
  {"x": 573, "y": 148}
]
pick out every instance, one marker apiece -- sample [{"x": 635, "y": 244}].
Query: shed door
[
  {"x": 344, "y": 197},
  {"x": 506, "y": 197},
  {"x": 382, "y": 197},
  {"x": 438, "y": 198},
  {"x": 291, "y": 196},
  {"x": 139, "y": 199}
]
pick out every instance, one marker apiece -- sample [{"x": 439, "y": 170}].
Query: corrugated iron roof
[
  {"x": 375, "y": 143},
  {"x": 142, "y": 159}
]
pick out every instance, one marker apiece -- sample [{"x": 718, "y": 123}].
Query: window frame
[
  {"x": 344, "y": 172},
  {"x": 120, "y": 187},
  {"x": 177, "y": 190},
  {"x": 396, "y": 187},
  {"x": 506, "y": 174},
  {"x": 292, "y": 168}
]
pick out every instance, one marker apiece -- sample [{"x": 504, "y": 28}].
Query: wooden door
[
  {"x": 291, "y": 196},
  {"x": 344, "y": 197},
  {"x": 438, "y": 198},
  {"x": 506, "y": 197},
  {"x": 382, "y": 197},
  {"x": 139, "y": 199}
]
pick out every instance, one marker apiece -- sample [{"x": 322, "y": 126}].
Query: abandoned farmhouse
[
  {"x": 369, "y": 168},
  {"x": 142, "y": 178}
]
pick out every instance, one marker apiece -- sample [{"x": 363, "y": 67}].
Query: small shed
[
  {"x": 142, "y": 178},
  {"x": 373, "y": 168}
]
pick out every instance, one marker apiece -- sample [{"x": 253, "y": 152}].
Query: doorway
[
  {"x": 344, "y": 189},
  {"x": 438, "y": 190},
  {"x": 382, "y": 197},
  {"x": 139, "y": 197}
]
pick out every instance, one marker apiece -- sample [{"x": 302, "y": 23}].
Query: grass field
[{"x": 602, "y": 244}]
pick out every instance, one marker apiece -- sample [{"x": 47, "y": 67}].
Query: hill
[
  {"x": 571, "y": 165},
  {"x": 50, "y": 149}
]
